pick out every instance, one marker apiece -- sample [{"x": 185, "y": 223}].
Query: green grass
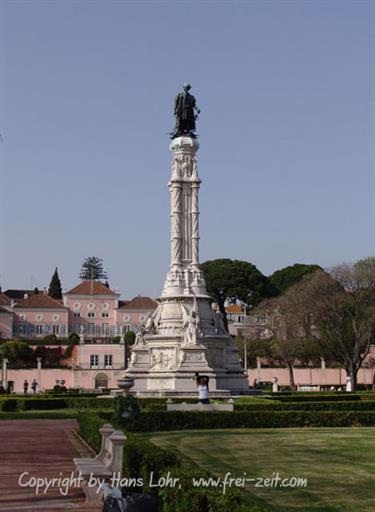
[{"x": 339, "y": 464}]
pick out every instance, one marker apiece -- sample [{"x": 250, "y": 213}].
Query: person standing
[
  {"x": 34, "y": 385},
  {"x": 25, "y": 387},
  {"x": 203, "y": 391}
]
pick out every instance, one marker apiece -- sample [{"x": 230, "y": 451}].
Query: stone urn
[{"x": 125, "y": 384}]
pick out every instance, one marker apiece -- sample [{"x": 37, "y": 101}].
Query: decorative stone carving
[{"x": 163, "y": 359}]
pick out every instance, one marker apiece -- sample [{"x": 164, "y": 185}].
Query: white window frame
[
  {"x": 108, "y": 360},
  {"x": 94, "y": 360}
]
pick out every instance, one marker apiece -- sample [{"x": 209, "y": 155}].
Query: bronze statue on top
[{"x": 184, "y": 107}]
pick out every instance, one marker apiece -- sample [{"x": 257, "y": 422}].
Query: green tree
[
  {"x": 231, "y": 280},
  {"x": 345, "y": 319},
  {"x": 129, "y": 338},
  {"x": 18, "y": 353},
  {"x": 92, "y": 268},
  {"x": 55, "y": 289},
  {"x": 288, "y": 276}
]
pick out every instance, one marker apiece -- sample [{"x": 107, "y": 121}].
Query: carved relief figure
[
  {"x": 218, "y": 320},
  {"x": 139, "y": 339},
  {"x": 191, "y": 323}
]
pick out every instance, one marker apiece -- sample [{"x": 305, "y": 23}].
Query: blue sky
[{"x": 286, "y": 90}]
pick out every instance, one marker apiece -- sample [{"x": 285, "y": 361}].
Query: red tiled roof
[
  {"x": 140, "y": 303},
  {"x": 234, "y": 308},
  {"x": 91, "y": 288},
  {"x": 39, "y": 301},
  {"x": 122, "y": 303},
  {"x": 4, "y": 300},
  {"x": 18, "y": 295}
]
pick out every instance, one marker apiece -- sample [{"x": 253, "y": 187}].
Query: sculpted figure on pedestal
[
  {"x": 190, "y": 324},
  {"x": 139, "y": 339},
  {"x": 184, "y": 111},
  {"x": 218, "y": 320}
]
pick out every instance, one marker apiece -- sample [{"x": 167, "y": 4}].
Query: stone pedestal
[{"x": 185, "y": 334}]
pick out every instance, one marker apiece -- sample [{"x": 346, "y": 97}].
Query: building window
[
  {"x": 125, "y": 328},
  {"x": 39, "y": 329},
  {"x": 56, "y": 329},
  {"x": 108, "y": 360},
  {"x": 94, "y": 361},
  {"x": 91, "y": 314},
  {"x": 76, "y": 314},
  {"x": 105, "y": 314},
  {"x": 91, "y": 329},
  {"x": 105, "y": 329}
]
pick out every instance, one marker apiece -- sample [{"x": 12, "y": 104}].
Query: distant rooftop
[
  {"x": 139, "y": 302},
  {"x": 4, "y": 300},
  {"x": 91, "y": 287},
  {"x": 39, "y": 301},
  {"x": 17, "y": 295}
]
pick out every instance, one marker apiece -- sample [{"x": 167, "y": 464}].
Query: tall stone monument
[{"x": 186, "y": 333}]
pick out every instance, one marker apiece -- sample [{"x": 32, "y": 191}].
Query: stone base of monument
[{"x": 200, "y": 407}]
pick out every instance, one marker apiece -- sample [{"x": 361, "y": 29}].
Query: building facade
[{"x": 90, "y": 310}]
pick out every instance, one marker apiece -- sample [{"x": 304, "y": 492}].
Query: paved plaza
[{"x": 43, "y": 448}]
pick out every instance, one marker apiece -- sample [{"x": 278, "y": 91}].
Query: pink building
[
  {"x": 92, "y": 309},
  {"x": 39, "y": 315},
  {"x": 6, "y": 317},
  {"x": 131, "y": 314}
]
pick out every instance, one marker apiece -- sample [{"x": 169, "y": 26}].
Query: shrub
[
  {"x": 184, "y": 420},
  {"x": 40, "y": 404},
  {"x": 88, "y": 403},
  {"x": 125, "y": 406},
  {"x": 192, "y": 499},
  {"x": 319, "y": 398},
  {"x": 51, "y": 338},
  {"x": 129, "y": 337},
  {"x": 89, "y": 425},
  {"x": 9, "y": 405},
  {"x": 73, "y": 338},
  {"x": 360, "y": 405},
  {"x": 141, "y": 457}
]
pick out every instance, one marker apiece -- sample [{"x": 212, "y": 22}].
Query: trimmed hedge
[
  {"x": 26, "y": 404},
  {"x": 358, "y": 405},
  {"x": 317, "y": 398},
  {"x": 184, "y": 420},
  {"x": 194, "y": 499}
]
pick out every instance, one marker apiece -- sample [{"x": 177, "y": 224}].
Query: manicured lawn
[{"x": 339, "y": 464}]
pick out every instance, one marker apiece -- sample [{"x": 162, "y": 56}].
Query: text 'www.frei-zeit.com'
[{"x": 230, "y": 481}]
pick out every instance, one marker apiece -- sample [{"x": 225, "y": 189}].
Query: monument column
[
  {"x": 176, "y": 231},
  {"x": 195, "y": 223}
]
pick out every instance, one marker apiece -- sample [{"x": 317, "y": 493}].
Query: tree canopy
[
  {"x": 288, "y": 276},
  {"x": 17, "y": 353},
  {"x": 231, "y": 280},
  {"x": 55, "y": 289},
  {"x": 92, "y": 268}
]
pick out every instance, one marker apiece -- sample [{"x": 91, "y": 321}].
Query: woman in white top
[{"x": 202, "y": 385}]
